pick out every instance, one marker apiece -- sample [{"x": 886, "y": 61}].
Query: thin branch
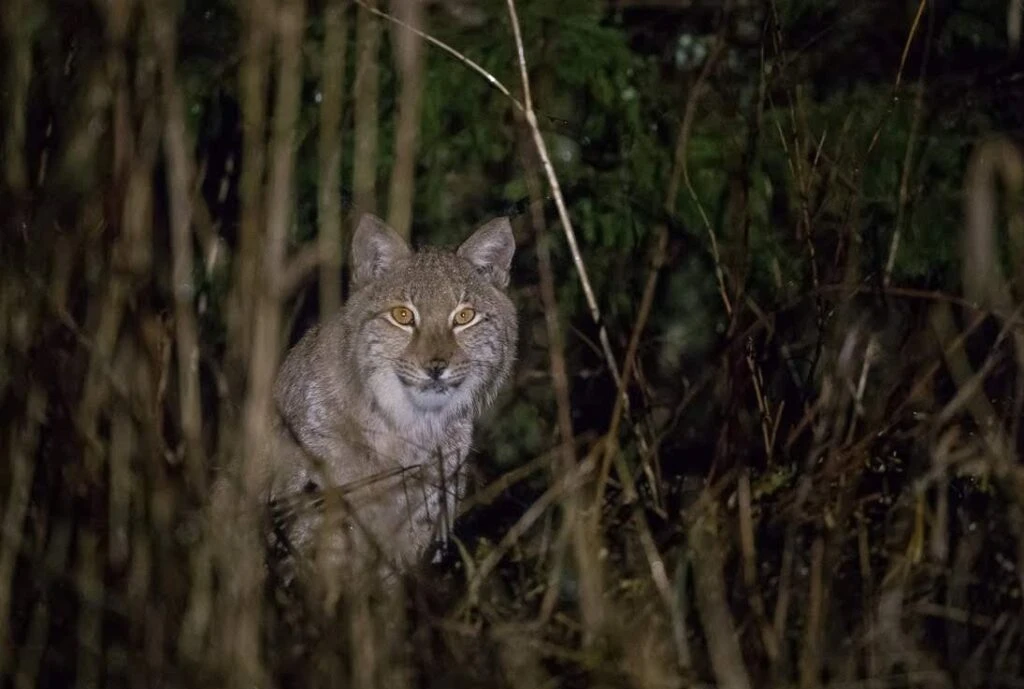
[
  {"x": 409, "y": 48},
  {"x": 23, "y": 443},
  {"x": 563, "y": 486},
  {"x": 526, "y": 107},
  {"x": 242, "y": 560},
  {"x": 495, "y": 488},
  {"x": 329, "y": 235},
  {"x": 556, "y": 190},
  {"x": 585, "y": 537},
  {"x": 681, "y": 164},
  {"x": 712, "y": 600},
  {"x": 299, "y": 267},
  {"x": 488, "y": 77},
  {"x": 367, "y": 89},
  {"x": 253, "y": 78},
  {"x": 89, "y": 585},
  {"x": 896, "y": 86},
  {"x": 1014, "y": 15},
  {"x": 984, "y": 280},
  {"x": 18, "y": 34},
  {"x": 179, "y": 178},
  {"x": 908, "y": 155}
]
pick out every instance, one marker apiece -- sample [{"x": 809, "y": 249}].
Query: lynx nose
[{"x": 435, "y": 368}]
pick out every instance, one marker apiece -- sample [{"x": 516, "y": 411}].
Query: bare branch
[
  {"x": 367, "y": 88},
  {"x": 556, "y": 190},
  {"x": 488, "y": 77},
  {"x": 409, "y": 48},
  {"x": 179, "y": 177},
  {"x": 329, "y": 234}
]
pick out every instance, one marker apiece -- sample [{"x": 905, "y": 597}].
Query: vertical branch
[
  {"x": 655, "y": 562},
  {"x": 30, "y": 656},
  {"x": 23, "y": 449},
  {"x": 908, "y": 155},
  {"x": 367, "y": 86},
  {"x": 584, "y": 539},
  {"x": 329, "y": 205},
  {"x": 243, "y": 563},
  {"x": 409, "y": 48},
  {"x": 236, "y": 649},
  {"x": 681, "y": 167},
  {"x": 983, "y": 277},
  {"x": 104, "y": 338},
  {"x": 18, "y": 36},
  {"x": 130, "y": 259},
  {"x": 179, "y": 175},
  {"x": 130, "y": 255},
  {"x": 365, "y": 654},
  {"x": 122, "y": 449},
  {"x": 253, "y": 88},
  {"x": 1014, "y": 14},
  {"x": 556, "y": 190},
  {"x": 810, "y": 656},
  {"x": 88, "y": 668},
  {"x": 712, "y": 600},
  {"x": 291, "y": 21}
]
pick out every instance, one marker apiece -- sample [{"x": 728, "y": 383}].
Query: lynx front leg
[{"x": 449, "y": 472}]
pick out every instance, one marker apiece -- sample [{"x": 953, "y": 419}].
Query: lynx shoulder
[{"x": 376, "y": 405}]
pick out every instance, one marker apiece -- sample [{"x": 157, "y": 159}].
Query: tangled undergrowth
[{"x": 753, "y": 440}]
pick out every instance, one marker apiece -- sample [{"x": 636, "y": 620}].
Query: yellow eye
[
  {"x": 402, "y": 315},
  {"x": 464, "y": 316}
]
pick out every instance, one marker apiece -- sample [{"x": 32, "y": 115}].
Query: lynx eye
[
  {"x": 464, "y": 316},
  {"x": 402, "y": 315}
]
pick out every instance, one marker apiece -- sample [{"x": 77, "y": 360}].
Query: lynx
[{"x": 377, "y": 404}]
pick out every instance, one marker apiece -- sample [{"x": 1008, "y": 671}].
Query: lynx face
[{"x": 437, "y": 332}]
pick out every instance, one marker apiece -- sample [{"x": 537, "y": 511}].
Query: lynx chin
[{"x": 376, "y": 405}]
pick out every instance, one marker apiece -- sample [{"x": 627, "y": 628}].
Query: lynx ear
[
  {"x": 375, "y": 249},
  {"x": 490, "y": 249}
]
